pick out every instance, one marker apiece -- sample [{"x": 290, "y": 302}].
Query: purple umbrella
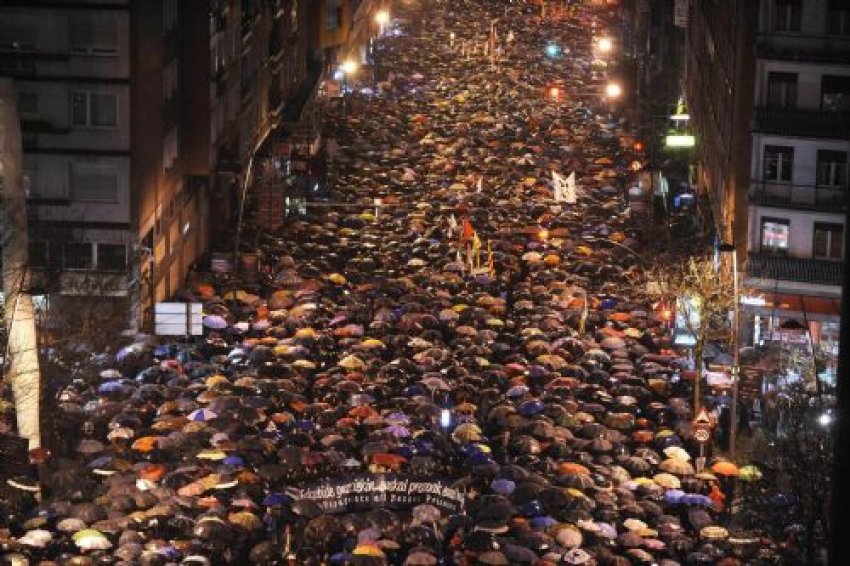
[{"x": 215, "y": 322}]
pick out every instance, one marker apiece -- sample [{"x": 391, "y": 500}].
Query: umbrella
[
  {"x": 750, "y": 473},
  {"x": 713, "y": 532},
  {"x": 676, "y": 466},
  {"x": 667, "y": 481},
  {"x": 725, "y": 468}
]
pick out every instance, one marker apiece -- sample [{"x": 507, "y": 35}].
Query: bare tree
[
  {"x": 21, "y": 348},
  {"x": 793, "y": 496},
  {"x": 704, "y": 298}
]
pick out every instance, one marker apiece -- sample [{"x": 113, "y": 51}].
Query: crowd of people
[{"x": 468, "y": 371}]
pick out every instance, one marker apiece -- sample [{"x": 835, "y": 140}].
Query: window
[
  {"x": 170, "y": 77},
  {"x": 37, "y": 254},
  {"x": 787, "y": 15},
  {"x": 838, "y": 18},
  {"x": 28, "y": 179},
  {"x": 778, "y": 163},
  {"x": 27, "y": 104},
  {"x": 169, "y": 15},
  {"x": 111, "y": 257},
  {"x": 832, "y": 168},
  {"x": 77, "y": 255},
  {"x": 774, "y": 234},
  {"x": 835, "y": 93},
  {"x": 334, "y": 15},
  {"x": 94, "y": 183},
  {"x": 828, "y": 241},
  {"x": 93, "y": 35},
  {"x": 169, "y": 150},
  {"x": 94, "y": 109},
  {"x": 781, "y": 90}
]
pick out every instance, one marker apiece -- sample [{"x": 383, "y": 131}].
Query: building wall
[
  {"x": 719, "y": 88},
  {"x": 801, "y": 228}
]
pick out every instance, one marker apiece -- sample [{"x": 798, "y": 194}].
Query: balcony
[
  {"x": 801, "y": 123},
  {"x": 819, "y": 48},
  {"x": 798, "y": 197},
  {"x": 800, "y": 270}
]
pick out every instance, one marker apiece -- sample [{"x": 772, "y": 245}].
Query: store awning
[{"x": 788, "y": 305}]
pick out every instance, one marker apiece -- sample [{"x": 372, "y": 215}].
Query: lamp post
[
  {"x": 730, "y": 248},
  {"x": 382, "y": 17},
  {"x": 348, "y": 67}
]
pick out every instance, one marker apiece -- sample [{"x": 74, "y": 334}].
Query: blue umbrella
[
  {"x": 503, "y": 486},
  {"x": 306, "y": 426},
  {"x": 696, "y": 499},
  {"x": 275, "y": 500},
  {"x": 608, "y": 304},
  {"x": 100, "y": 461},
  {"x": 542, "y": 523},
  {"x": 202, "y": 415},
  {"x": 674, "y": 496},
  {"x": 234, "y": 460},
  {"x": 215, "y": 322},
  {"x": 517, "y": 391},
  {"x": 398, "y": 431},
  {"x": 531, "y": 408},
  {"x": 163, "y": 351},
  {"x": 110, "y": 387}
]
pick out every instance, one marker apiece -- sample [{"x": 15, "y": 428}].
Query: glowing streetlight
[
  {"x": 613, "y": 90},
  {"x": 604, "y": 44},
  {"x": 554, "y": 93},
  {"x": 452, "y": 39},
  {"x": 825, "y": 419},
  {"x": 348, "y": 67},
  {"x": 553, "y": 50},
  {"x": 382, "y": 17}
]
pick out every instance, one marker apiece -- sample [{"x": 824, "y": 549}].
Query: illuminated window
[{"x": 775, "y": 233}]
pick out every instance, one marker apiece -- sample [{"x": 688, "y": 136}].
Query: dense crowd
[{"x": 468, "y": 333}]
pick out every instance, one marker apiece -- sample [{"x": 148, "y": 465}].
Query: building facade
[
  {"x": 718, "y": 88},
  {"x": 114, "y": 148},
  {"x": 799, "y": 161},
  {"x": 140, "y": 119}
]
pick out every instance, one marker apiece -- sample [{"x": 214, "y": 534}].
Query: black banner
[{"x": 366, "y": 492}]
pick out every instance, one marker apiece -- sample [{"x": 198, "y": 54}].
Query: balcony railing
[
  {"x": 798, "y": 197},
  {"x": 801, "y": 270},
  {"x": 802, "y": 123},
  {"x": 803, "y": 47}
]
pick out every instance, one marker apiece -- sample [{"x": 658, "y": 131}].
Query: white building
[{"x": 799, "y": 169}]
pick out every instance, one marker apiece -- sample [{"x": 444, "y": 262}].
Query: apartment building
[
  {"x": 799, "y": 160},
  {"x": 114, "y": 146}
]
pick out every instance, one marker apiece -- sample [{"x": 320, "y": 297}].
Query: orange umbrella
[
  {"x": 362, "y": 412},
  {"x": 145, "y": 443},
  {"x": 572, "y": 468},
  {"x": 153, "y": 472},
  {"x": 388, "y": 460},
  {"x": 725, "y": 468},
  {"x": 620, "y": 316}
]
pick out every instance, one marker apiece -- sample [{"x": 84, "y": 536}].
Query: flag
[
  {"x": 467, "y": 231},
  {"x": 452, "y": 226},
  {"x": 458, "y": 258},
  {"x": 479, "y": 186},
  {"x": 558, "y": 186},
  {"x": 476, "y": 249},
  {"x": 510, "y": 38},
  {"x": 491, "y": 265},
  {"x": 570, "y": 189}
]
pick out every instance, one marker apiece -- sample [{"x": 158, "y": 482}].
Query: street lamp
[
  {"x": 613, "y": 90},
  {"x": 730, "y": 248},
  {"x": 604, "y": 45},
  {"x": 348, "y": 67},
  {"x": 382, "y": 17}
]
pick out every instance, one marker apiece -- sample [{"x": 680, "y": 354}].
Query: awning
[{"x": 788, "y": 305}]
